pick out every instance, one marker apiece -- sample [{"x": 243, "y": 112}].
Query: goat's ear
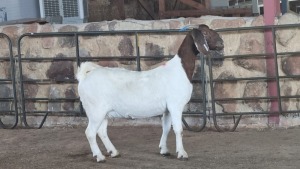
[
  {"x": 204, "y": 29},
  {"x": 200, "y": 41}
]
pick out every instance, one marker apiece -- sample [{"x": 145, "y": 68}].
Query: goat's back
[{"x": 133, "y": 93}]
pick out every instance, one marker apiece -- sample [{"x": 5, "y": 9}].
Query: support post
[
  {"x": 162, "y": 8},
  {"x": 284, "y": 6},
  {"x": 255, "y": 7},
  {"x": 207, "y": 4},
  {"x": 271, "y": 10},
  {"x": 120, "y": 6}
]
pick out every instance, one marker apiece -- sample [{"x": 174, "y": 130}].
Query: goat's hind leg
[
  {"x": 102, "y": 132},
  {"x": 91, "y": 133},
  {"x": 166, "y": 126}
]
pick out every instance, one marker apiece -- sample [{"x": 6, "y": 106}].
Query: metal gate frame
[
  {"x": 11, "y": 81},
  {"x": 275, "y": 78},
  {"x": 79, "y": 59},
  {"x": 211, "y": 82}
]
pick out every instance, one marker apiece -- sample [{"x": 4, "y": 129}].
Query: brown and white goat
[{"x": 165, "y": 90}]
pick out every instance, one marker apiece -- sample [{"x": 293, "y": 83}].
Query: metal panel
[
  {"x": 51, "y": 8},
  {"x": 219, "y": 3},
  {"x": 71, "y": 11},
  {"x": 70, "y": 8},
  {"x": 237, "y": 116},
  {"x": 201, "y": 115},
  {"x": 8, "y": 96},
  {"x": 20, "y": 9},
  {"x": 255, "y": 7}
]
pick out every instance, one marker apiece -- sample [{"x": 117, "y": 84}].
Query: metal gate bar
[
  {"x": 276, "y": 78},
  {"x": 203, "y": 99},
  {"x": 11, "y": 80},
  {"x": 79, "y": 59}
]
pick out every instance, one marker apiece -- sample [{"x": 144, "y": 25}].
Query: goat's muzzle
[
  {"x": 217, "y": 57},
  {"x": 219, "y": 45}
]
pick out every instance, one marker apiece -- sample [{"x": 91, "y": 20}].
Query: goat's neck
[{"x": 188, "y": 52}]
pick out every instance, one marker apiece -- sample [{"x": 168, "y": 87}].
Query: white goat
[{"x": 114, "y": 92}]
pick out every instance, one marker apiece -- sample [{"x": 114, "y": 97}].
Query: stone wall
[{"x": 244, "y": 42}]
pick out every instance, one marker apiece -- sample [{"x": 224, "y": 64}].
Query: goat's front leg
[
  {"x": 91, "y": 133},
  {"x": 166, "y": 126},
  {"x": 102, "y": 132},
  {"x": 177, "y": 127}
]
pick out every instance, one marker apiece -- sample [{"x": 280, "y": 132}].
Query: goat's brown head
[
  {"x": 213, "y": 39},
  {"x": 199, "y": 40}
]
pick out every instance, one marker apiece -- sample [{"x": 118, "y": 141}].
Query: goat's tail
[{"x": 84, "y": 69}]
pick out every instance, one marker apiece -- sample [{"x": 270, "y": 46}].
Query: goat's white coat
[{"x": 114, "y": 92}]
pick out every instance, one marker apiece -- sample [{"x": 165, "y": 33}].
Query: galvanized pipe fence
[
  {"x": 8, "y": 103},
  {"x": 208, "y": 103},
  {"x": 78, "y": 60},
  {"x": 278, "y": 79}
]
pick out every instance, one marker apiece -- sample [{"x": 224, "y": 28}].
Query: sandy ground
[{"x": 66, "y": 148}]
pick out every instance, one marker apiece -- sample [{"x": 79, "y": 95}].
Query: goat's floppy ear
[
  {"x": 200, "y": 41},
  {"x": 204, "y": 29}
]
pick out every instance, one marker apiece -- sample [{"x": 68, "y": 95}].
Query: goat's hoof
[
  {"x": 100, "y": 159},
  {"x": 166, "y": 154},
  {"x": 115, "y": 155},
  {"x": 183, "y": 158},
  {"x": 164, "y": 151}
]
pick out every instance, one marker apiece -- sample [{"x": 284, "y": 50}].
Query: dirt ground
[{"x": 66, "y": 148}]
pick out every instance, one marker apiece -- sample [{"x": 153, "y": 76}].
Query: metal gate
[
  {"x": 207, "y": 105},
  {"x": 8, "y": 98},
  {"x": 78, "y": 59},
  {"x": 277, "y": 78}
]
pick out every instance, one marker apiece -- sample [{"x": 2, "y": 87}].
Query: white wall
[{"x": 20, "y": 9}]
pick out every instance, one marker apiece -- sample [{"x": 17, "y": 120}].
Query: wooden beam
[
  {"x": 148, "y": 8},
  {"x": 195, "y": 13},
  {"x": 193, "y": 4},
  {"x": 207, "y": 4},
  {"x": 162, "y": 8},
  {"x": 177, "y": 2},
  {"x": 120, "y": 6}
]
